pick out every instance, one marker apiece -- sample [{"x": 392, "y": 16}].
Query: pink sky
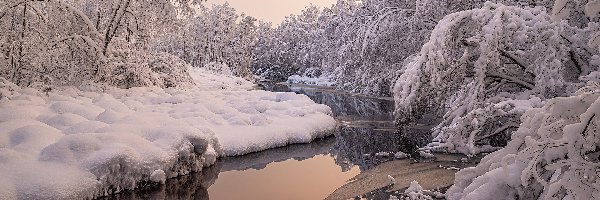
[{"x": 272, "y": 10}]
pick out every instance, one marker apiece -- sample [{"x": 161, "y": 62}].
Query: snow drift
[{"x": 96, "y": 140}]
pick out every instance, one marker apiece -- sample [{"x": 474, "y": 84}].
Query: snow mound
[
  {"x": 553, "y": 155},
  {"x": 73, "y": 143},
  {"x": 297, "y": 79},
  {"x": 415, "y": 192}
]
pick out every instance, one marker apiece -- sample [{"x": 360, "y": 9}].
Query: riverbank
[
  {"x": 436, "y": 174},
  {"x": 91, "y": 141}
]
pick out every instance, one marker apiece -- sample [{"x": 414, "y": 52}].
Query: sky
[{"x": 271, "y": 10}]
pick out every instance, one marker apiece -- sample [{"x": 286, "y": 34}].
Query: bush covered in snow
[
  {"x": 553, "y": 155},
  {"x": 482, "y": 68},
  {"x": 213, "y": 35},
  {"x": 128, "y": 68}
]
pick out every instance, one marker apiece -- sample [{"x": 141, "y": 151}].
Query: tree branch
[
  {"x": 81, "y": 15},
  {"x": 86, "y": 39},
  {"x": 497, "y": 131},
  {"x": 516, "y": 80},
  {"x": 513, "y": 58},
  {"x": 11, "y": 7}
]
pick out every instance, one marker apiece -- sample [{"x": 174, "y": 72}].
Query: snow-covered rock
[
  {"x": 401, "y": 155},
  {"x": 415, "y": 192}
]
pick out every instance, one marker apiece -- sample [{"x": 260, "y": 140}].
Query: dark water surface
[{"x": 302, "y": 171}]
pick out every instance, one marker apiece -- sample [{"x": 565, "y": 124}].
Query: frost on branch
[
  {"x": 58, "y": 42},
  {"x": 553, "y": 155},
  {"x": 482, "y": 68}
]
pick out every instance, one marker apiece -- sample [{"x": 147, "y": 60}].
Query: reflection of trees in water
[
  {"x": 195, "y": 186},
  {"x": 343, "y": 105},
  {"x": 348, "y": 148},
  {"x": 353, "y": 143},
  {"x": 346, "y": 106},
  {"x": 192, "y": 186},
  {"x": 364, "y": 116},
  {"x": 261, "y": 159}
]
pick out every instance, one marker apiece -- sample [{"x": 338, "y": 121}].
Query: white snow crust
[{"x": 91, "y": 141}]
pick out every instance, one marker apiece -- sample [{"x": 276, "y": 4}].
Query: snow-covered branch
[
  {"x": 527, "y": 84},
  {"x": 88, "y": 40}
]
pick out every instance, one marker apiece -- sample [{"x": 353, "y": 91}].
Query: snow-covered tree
[
  {"x": 553, "y": 155},
  {"x": 355, "y": 43},
  {"x": 68, "y": 42},
  {"x": 554, "y": 152},
  {"x": 289, "y": 48},
  {"x": 483, "y": 68},
  {"x": 215, "y": 36}
]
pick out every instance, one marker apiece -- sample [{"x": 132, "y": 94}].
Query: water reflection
[
  {"x": 192, "y": 186},
  {"x": 366, "y": 128},
  {"x": 351, "y": 107},
  {"x": 260, "y": 160},
  {"x": 313, "y": 178},
  {"x": 303, "y": 171},
  {"x": 359, "y": 145}
]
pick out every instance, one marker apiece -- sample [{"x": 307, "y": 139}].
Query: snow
[
  {"x": 90, "y": 141},
  {"x": 552, "y": 155},
  {"x": 415, "y": 192},
  {"x": 392, "y": 180},
  {"x": 425, "y": 154},
  {"x": 382, "y": 154},
  {"x": 461, "y": 75},
  {"x": 401, "y": 155},
  {"x": 592, "y": 8},
  {"x": 321, "y": 81}
]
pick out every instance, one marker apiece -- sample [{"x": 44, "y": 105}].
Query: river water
[{"x": 326, "y": 168}]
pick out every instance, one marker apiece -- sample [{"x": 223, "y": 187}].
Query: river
[{"x": 345, "y": 165}]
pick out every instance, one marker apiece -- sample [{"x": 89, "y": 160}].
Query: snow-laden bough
[
  {"x": 553, "y": 155},
  {"x": 482, "y": 69}
]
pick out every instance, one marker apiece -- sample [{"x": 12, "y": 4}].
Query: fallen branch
[
  {"x": 526, "y": 84},
  {"x": 497, "y": 131},
  {"x": 513, "y": 58}
]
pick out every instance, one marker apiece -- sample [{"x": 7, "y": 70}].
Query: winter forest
[{"x": 128, "y": 99}]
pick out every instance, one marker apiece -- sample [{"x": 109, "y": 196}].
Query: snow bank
[
  {"x": 85, "y": 143},
  {"x": 77, "y": 144},
  {"x": 321, "y": 81},
  {"x": 553, "y": 155}
]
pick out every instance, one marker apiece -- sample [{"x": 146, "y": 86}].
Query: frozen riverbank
[{"x": 89, "y": 142}]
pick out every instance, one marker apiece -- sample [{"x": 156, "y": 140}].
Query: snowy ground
[
  {"x": 296, "y": 79},
  {"x": 87, "y": 142}
]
